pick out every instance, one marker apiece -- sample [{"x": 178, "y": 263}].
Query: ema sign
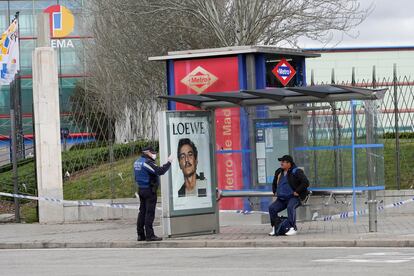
[
  {"x": 61, "y": 22},
  {"x": 284, "y": 72}
]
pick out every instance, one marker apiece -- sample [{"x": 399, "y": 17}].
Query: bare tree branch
[{"x": 126, "y": 32}]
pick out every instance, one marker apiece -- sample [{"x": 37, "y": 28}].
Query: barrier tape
[
  {"x": 350, "y": 214},
  {"x": 343, "y": 215},
  {"x": 72, "y": 202},
  {"x": 243, "y": 212}
]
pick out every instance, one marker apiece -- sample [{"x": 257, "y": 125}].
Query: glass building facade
[{"x": 71, "y": 67}]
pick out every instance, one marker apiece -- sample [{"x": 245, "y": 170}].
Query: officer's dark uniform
[{"x": 147, "y": 178}]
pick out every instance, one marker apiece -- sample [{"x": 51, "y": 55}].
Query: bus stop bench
[{"x": 331, "y": 193}]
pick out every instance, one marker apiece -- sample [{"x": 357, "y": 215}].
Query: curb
[{"x": 211, "y": 244}]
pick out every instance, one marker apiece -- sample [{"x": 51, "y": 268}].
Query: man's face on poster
[{"x": 187, "y": 160}]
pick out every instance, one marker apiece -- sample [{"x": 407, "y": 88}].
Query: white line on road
[
  {"x": 181, "y": 249},
  {"x": 162, "y": 248},
  {"x": 373, "y": 257},
  {"x": 360, "y": 261}
]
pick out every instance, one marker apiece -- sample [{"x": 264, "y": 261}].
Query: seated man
[{"x": 290, "y": 186}]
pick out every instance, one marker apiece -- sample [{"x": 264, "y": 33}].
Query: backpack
[
  {"x": 281, "y": 225},
  {"x": 306, "y": 192}
]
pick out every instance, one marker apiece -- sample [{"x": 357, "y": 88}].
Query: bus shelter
[{"x": 244, "y": 107}]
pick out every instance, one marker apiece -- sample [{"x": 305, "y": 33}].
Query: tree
[
  {"x": 126, "y": 84},
  {"x": 126, "y": 32},
  {"x": 266, "y": 22},
  {"x": 87, "y": 115}
]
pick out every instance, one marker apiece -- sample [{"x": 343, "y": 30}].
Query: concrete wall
[
  {"x": 90, "y": 213},
  {"x": 320, "y": 204}
]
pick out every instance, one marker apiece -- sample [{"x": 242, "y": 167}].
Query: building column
[{"x": 47, "y": 133}]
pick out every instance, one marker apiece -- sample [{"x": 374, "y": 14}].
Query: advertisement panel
[{"x": 189, "y": 137}]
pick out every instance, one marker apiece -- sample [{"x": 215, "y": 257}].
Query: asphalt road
[{"x": 209, "y": 261}]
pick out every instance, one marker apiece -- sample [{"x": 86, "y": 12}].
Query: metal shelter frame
[
  {"x": 297, "y": 96},
  {"x": 278, "y": 96}
]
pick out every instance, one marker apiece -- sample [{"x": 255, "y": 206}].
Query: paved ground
[
  {"x": 394, "y": 229},
  {"x": 209, "y": 261}
]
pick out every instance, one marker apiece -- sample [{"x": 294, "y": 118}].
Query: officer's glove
[{"x": 170, "y": 158}]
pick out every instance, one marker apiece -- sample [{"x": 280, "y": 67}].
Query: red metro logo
[
  {"x": 199, "y": 79},
  {"x": 284, "y": 72}
]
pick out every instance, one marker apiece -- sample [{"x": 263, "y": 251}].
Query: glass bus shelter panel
[
  {"x": 369, "y": 166},
  {"x": 323, "y": 172},
  {"x": 320, "y": 168},
  {"x": 331, "y": 130},
  {"x": 271, "y": 142}
]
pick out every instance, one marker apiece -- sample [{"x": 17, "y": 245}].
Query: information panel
[{"x": 272, "y": 142}]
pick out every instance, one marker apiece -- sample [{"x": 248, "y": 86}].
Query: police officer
[{"x": 147, "y": 178}]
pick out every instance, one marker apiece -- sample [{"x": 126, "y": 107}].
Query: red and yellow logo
[
  {"x": 61, "y": 21},
  {"x": 199, "y": 79}
]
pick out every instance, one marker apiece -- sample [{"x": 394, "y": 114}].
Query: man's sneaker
[
  {"x": 273, "y": 233},
  {"x": 291, "y": 232},
  {"x": 154, "y": 238}
]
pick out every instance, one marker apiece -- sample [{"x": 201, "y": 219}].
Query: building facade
[
  {"x": 342, "y": 60},
  {"x": 68, "y": 36},
  {"x": 337, "y": 65}
]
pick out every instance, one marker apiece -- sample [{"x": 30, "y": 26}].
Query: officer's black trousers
[{"x": 148, "y": 202}]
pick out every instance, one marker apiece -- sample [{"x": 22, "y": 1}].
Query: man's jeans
[{"x": 280, "y": 205}]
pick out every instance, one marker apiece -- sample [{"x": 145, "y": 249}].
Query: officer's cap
[{"x": 149, "y": 149}]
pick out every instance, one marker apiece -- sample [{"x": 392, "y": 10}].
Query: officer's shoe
[
  {"x": 141, "y": 238},
  {"x": 154, "y": 238}
]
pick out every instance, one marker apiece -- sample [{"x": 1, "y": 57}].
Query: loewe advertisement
[{"x": 191, "y": 173}]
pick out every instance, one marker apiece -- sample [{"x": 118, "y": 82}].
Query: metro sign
[
  {"x": 199, "y": 79},
  {"x": 284, "y": 72}
]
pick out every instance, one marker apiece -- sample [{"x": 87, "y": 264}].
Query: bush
[
  {"x": 88, "y": 145},
  {"x": 72, "y": 161},
  {"x": 9, "y": 167},
  {"x": 27, "y": 179},
  {"x": 402, "y": 135},
  {"x": 77, "y": 160}
]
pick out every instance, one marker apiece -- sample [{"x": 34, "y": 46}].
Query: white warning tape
[
  {"x": 72, "y": 202},
  {"x": 343, "y": 215},
  {"x": 243, "y": 212},
  {"x": 350, "y": 214}
]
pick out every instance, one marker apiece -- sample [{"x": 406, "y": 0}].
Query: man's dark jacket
[{"x": 296, "y": 179}]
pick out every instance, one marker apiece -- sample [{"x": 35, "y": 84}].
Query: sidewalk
[{"x": 395, "y": 229}]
